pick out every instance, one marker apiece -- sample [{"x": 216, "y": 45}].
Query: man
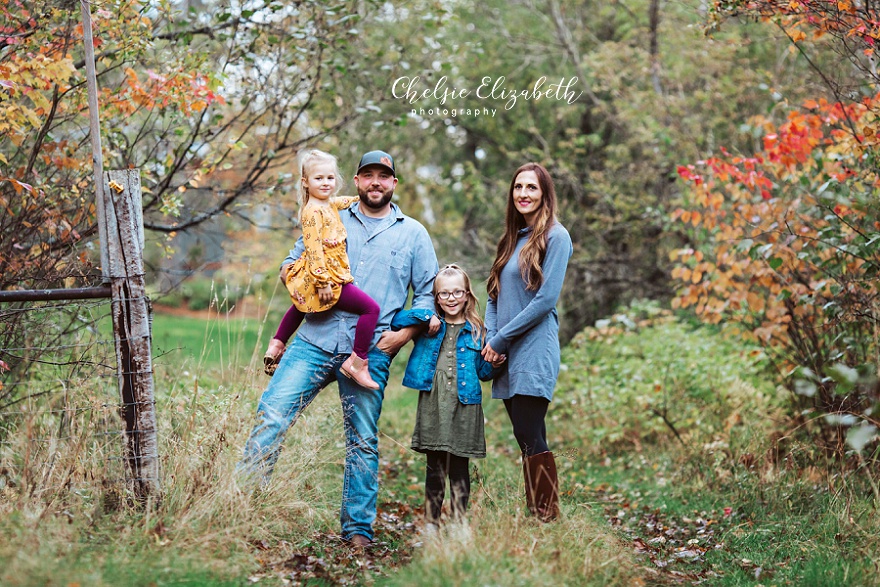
[{"x": 389, "y": 253}]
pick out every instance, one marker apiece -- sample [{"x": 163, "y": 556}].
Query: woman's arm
[
  {"x": 491, "y": 318},
  {"x": 559, "y": 251}
]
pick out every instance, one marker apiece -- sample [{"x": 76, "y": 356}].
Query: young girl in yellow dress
[{"x": 321, "y": 278}]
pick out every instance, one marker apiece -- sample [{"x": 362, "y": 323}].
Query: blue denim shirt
[
  {"x": 423, "y": 360},
  {"x": 386, "y": 262}
]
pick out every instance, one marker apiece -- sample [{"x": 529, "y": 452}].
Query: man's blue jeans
[{"x": 303, "y": 372}]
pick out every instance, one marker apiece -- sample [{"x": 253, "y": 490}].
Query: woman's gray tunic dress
[{"x": 524, "y": 325}]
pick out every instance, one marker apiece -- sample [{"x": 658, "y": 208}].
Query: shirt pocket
[
  {"x": 398, "y": 262},
  {"x": 395, "y": 267},
  {"x": 466, "y": 342}
]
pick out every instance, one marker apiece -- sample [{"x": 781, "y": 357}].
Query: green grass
[
  {"x": 217, "y": 343},
  {"x": 723, "y": 502}
]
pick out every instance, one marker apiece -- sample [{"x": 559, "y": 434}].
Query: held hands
[
  {"x": 325, "y": 294},
  {"x": 491, "y": 356},
  {"x": 434, "y": 325}
]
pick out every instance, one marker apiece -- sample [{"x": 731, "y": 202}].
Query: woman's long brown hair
[{"x": 532, "y": 254}]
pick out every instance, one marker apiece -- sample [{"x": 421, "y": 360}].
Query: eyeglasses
[{"x": 445, "y": 295}]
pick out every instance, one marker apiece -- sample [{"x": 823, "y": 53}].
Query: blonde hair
[
  {"x": 307, "y": 161},
  {"x": 471, "y": 310},
  {"x": 532, "y": 254}
]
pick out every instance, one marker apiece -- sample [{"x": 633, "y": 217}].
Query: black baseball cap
[{"x": 377, "y": 158}]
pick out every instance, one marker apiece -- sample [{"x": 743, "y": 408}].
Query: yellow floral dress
[{"x": 325, "y": 261}]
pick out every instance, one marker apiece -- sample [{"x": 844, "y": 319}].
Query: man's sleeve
[
  {"x": 295, "y": 253},
  {"x": 424, "y": 268}
]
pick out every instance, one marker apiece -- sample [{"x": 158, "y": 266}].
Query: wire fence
[{"x": 62, "y": 422}]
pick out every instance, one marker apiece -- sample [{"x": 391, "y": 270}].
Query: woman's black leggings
[
  {"x": 440, "y": 465},
  {"x": 527, "y": 414}
]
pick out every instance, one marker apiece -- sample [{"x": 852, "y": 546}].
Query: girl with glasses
[{"x": 446, "y": 367}]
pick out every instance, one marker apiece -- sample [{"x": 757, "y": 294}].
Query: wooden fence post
[{"x": 131, "y": 326}]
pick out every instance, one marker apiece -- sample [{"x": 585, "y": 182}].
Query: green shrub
[{"x": 646, "y": 376}]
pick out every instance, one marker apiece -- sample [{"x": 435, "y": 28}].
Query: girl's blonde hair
[
  {"x": 471, "y": 305},
  {"x": 307, "y": 160}
]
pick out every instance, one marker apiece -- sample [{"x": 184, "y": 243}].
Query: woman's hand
[
  {"x": 491, "y": 356},
  {"x": 433, "y": 325},
  {"x": 325, "y": 294}
]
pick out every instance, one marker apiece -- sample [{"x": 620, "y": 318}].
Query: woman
[{"x": 524, "y": 285}]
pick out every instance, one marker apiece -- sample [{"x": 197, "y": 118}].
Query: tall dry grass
[
  {"x": 499, "y": 545},
  {"x": 62, "y": 480},
  {"x": 65, "y": 517}
]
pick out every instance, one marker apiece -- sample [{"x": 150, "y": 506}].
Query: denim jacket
[{"x": 472, "y": 367}]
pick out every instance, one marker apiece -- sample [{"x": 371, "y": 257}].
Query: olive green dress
[{"x": 443, "y": 422}]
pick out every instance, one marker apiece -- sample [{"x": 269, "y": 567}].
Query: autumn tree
[
  {"x": 851, "y": 29},
  {"x": 788, "y": 249},
  {"x": 210, "y": 104},
  {"x": 788, "y": 239}
]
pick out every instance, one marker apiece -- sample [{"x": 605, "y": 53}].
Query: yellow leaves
[
  {"x": 29, "y": 81},
  {"x": 32, "y": 117}
]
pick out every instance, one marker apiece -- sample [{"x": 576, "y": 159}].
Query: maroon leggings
[{"x": 352, "y": 299}]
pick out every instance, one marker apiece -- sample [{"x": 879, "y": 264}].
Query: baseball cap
[{"x": 377, "y": 158}]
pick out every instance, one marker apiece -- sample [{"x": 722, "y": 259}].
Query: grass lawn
[
  {"x": 667, "y": 435},
  {"x": 217, "y": 343}
]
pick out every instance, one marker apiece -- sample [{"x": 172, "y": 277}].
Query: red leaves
[
  {"x": 687, "y": 174},
  {"x": 775, "y": 221}
]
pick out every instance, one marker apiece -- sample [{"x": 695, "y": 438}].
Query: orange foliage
[
  {"x": 790, "y": 235},
  {"x": 45, "y": 160},
  {"x": 851, "y": 21}
]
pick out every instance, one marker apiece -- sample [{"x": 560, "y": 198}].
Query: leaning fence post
[{"x": 131, "y": 327}]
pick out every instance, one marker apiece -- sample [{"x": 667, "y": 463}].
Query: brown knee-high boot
[
  {"x": 530, "y": 490},
  {"x": 542, "y": 486}
]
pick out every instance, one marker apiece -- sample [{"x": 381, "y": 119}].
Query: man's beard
[{"x": 375, "y": 205}]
